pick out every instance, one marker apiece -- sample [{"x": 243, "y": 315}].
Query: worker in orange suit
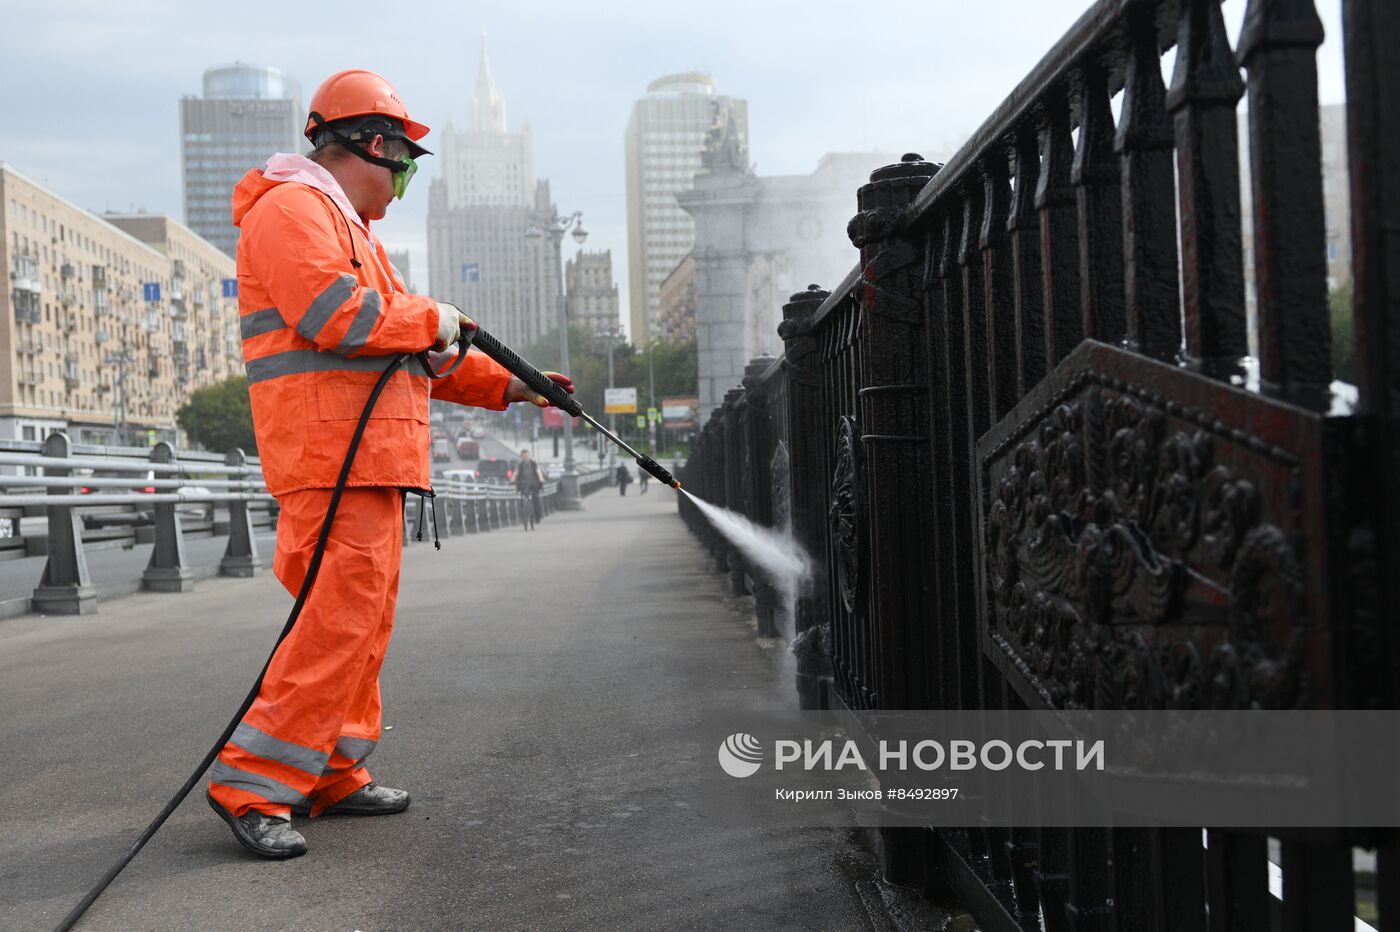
[{"x": 323, "y": 313}]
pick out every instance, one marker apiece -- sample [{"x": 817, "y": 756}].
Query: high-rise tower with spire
[
  {"x": 488, "y": 107},
  {"x": 486, "y": 163},
  {"x": 478, "y": 211}
]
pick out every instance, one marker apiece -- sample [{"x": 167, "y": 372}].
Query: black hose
[{"x": 77, "y": 912}]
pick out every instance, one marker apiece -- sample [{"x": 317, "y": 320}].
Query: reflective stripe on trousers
[
  {"x": 255, "y": 784},
  {"x": 308, "y": 761},
  {"x": 354, "y": 749}
]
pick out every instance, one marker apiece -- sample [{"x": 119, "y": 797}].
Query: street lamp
[
  {"x": 556, "y": 226},
  {"x": 613, "y": 334}
]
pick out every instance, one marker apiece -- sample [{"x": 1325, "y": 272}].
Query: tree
[
  {"x": 219, "y": 417},
  {"x": 677, "y": 368}
]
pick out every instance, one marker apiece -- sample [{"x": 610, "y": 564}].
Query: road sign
[
  {"x": 230, "y": 288},
  {"x": 641, "y": 420},
  {"x": 150, "y": 291},
  {"x": 653, "y": 415},
  {"x": 619, "y": 401},
  {"x": 681, "y": 412},
  {"x": 471, "y": 273}
]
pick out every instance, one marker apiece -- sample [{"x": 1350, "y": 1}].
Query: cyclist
[{"x": 528, "y": 483}]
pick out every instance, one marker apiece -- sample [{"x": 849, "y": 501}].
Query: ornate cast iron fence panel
[
  {"x": 847, "y": 519},
  {"x": 1145, "y": 543}
]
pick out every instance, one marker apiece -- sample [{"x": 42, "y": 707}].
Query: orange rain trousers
[{"x": 317, "y": 715}]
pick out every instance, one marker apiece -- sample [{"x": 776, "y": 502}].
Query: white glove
[{"x": 449, "y": 326}]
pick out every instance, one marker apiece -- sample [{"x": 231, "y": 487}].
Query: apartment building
[
  {"x": 590, "y": 294},
  {"x": 107, "y": 323},
  {"x": 677, "y": 300}
]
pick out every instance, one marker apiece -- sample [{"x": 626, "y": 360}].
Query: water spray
[
  {"x": 775, "y": 552},
  {"x": 544, "y": 385}
]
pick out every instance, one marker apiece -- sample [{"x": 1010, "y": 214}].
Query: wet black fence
[{"x": 1036, "y": 466}]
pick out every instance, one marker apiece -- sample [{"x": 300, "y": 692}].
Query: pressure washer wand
[
  {"x": 644, "y": 461},
  {"x": 556, "y": 395}
]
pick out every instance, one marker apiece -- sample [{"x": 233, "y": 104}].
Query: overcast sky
[{"x": 91, "y": 87}]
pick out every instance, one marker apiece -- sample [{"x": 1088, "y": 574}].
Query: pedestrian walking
[
  {"x": 624, "y": 478},
  {"x": 642, "y": 478}
]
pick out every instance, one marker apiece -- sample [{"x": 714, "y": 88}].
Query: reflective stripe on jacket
[{"x": 317, "y": 332}]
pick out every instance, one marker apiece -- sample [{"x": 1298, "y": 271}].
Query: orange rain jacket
[{"x": 322, "y": 312}]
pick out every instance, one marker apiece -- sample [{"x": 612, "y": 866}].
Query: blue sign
[
  {"x": 151, "y": 290},
  {"x": 471, "y": 273},
  {"x": 230, "y": 288}
]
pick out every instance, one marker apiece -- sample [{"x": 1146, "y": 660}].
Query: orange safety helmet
[{"x": 357, "y": 92}]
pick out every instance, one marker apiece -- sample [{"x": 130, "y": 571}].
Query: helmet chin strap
[{"x": 345, "y": 142}]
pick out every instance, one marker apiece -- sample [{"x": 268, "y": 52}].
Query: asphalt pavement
[
  {"x": 540, "y": 688},
  {"x": 116, "y": 570}
]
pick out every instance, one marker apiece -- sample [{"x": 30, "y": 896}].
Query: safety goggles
[{"x": 403, "y": 174}]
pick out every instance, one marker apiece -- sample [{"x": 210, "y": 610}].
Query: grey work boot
[
  {"x": 264, "y": 835},
  {"x": 370, "y": 799}
]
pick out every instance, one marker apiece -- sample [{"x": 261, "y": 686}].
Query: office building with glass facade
[
  {"x": 664, "y": 139},
  {"x": 247, "y": 113}
]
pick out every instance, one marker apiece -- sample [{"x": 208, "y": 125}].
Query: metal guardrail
[
  {"x": 591, "y": 480},
  {"x": 66, "y": 586},
  {"x": 465, "y": 507},
  {"x": 57, "y": 468},
  {"x": 473, "y": 507},
  {"x": 208, "y": 461}
]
